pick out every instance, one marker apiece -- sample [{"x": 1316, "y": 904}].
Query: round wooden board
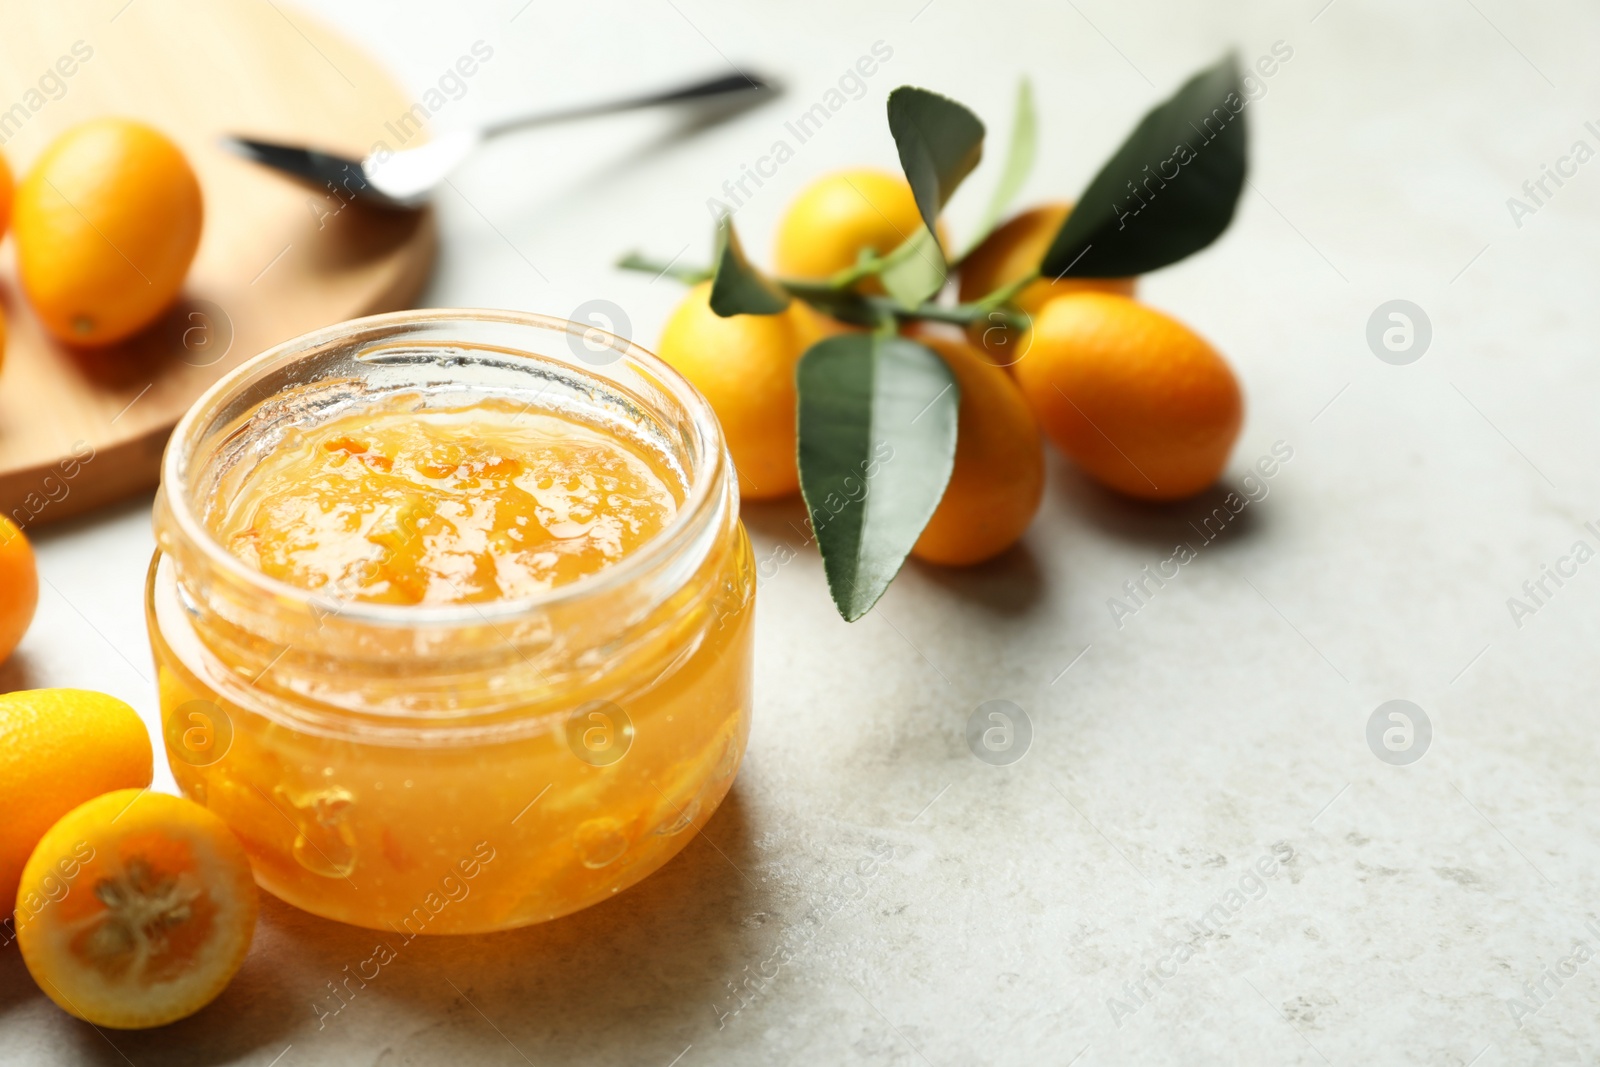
[{"x": 277, "y": 258}]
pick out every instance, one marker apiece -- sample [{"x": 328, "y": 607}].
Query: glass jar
[{"x": 466, "y": 767}]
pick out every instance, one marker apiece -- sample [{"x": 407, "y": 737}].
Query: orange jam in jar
[{"x": 452, "y": 617}]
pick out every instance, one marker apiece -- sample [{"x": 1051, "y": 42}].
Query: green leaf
[
  {"x": 939, "y": 141},
  {"x": 1019, "y": 161},
  {"x": 914, "y": 271},
  {"x": 846, "y": 305},
  {"x": 877, "y": 443},
  {"x": 737, "y": 288},
  {"x": 1170, "y": 190}
]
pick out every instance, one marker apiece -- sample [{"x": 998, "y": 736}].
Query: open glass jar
[{"x": 464, "y": 767}]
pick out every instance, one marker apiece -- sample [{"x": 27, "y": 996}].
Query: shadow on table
[
  {"x": 1007, "y": 585},
  {"x": 17, "y": 673},
  {"x": 688, "y": 121},
  {"x": 356, "y": 233},
  {"x": 16, "y": 986},
  {"x": 595, "y": 180},
  {"x": 622, "y": 980},
  {"x": 1196, "y": 521}
]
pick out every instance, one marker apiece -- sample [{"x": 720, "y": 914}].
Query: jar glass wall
[{"x": 462, "y": 767}]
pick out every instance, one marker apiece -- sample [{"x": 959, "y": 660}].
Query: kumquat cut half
[{"x": 136, "y": 909}]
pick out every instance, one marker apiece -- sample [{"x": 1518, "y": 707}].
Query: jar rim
[{"x": 702, "y": 492}]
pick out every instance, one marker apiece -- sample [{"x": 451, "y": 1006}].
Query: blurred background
[{"x": 1224, "y": 722}]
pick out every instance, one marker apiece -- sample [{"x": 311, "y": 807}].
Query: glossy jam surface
[
  {"x": 505, "y": 774},
  {"x": 463, "y": 505}
]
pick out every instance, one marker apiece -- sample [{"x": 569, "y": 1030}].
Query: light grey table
[{"x": 1034, "y": 913}]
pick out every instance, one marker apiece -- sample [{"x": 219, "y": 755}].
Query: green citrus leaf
[
  {"x": 877, "y": 424},
  {"x": 916, "y": 270},
  {"x": 939, "y": 141},
  {"x": 1169, "y": 191},
  {"x": 846, "y": 305},
  {"x": 1019, "y": 161},
  {"x": 737, "y": 288}
]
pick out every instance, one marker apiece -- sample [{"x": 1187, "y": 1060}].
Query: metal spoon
[{"x": 405, "y": 179}]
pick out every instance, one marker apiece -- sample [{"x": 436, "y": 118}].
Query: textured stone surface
[{"x": 1222, "y": 723}]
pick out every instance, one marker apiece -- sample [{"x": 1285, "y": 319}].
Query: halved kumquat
[{"x": 136, "y": 909}]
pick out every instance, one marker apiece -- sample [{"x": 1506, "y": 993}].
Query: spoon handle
[{"x": 719, "y": 86}]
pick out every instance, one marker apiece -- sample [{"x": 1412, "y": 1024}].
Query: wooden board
[{"x": 277, "y": 258}]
